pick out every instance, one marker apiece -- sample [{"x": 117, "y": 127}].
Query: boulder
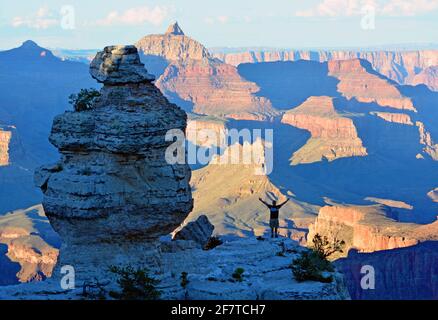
[{"x": 199, "y": 231}]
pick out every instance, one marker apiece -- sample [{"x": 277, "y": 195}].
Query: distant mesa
[{"x": 332, "y": 135}]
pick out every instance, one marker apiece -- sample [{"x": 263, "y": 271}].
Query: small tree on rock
[{"x": 84, "y": 100}]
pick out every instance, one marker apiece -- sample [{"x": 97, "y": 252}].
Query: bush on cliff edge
[{"x": 311, "y": 265}]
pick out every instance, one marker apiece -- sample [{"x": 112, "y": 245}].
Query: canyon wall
[
  {"x": 31, "y": 243},
  {"x": 404, "y": 67},
  {"x": 368, "y": 229},
  {"x": 192, "y": 78},
  {"x": 332, "y": 136},
  {"x": 359, "y": 81},
  {"x": 5, "y": 138}
]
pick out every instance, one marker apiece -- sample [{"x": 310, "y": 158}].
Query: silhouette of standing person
[{"x": 274, "y": 209}]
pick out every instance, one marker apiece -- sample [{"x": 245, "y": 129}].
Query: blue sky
[{"x": 233, "y": 23}]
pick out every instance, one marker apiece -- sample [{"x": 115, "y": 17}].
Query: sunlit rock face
[
  {"x": 5, "y": 137},
  {"x": 112, "y": 194},
  {"x": 368, "y": 229},
  {"x": 192, "y": 78},
  {"x": 359, "y": 81},
  {"x": 404, "y": 67},
  {"x": 332, "y": 135}
]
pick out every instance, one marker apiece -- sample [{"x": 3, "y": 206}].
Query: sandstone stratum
[
  {"x": 5, "y": 138},
  {"x": 193, "y": 78},
  {"x": 359, "y": 81},
  {"x": 369, "y": 229},
  {"x": 404, "y": 67},
  {"x": 332, "y": 135}
]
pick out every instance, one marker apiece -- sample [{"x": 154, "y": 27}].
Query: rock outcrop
[
  {"x": 358, "y": 80},
  {"x": 5, "y": 138},
  {"x": 332, "y": 136},
  {"x": 404, "y": 67},
  {"x": 368, "y": 229},
  {"x": 433, "y": 195},
  {"x": 31, "y": 243},
  {"x": 112, "y": 194},
  {"x": 198, "y": 231},
  {"x": 401, "y": 118},
  {"x": 206, "y": 132},
  {"x": 194, "y": 79},
  {"x": 428, "y": 77},
  {"x": 430, "y": 147}
]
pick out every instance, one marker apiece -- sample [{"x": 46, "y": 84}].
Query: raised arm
[
  {"x": 282, "y": 204},
  {"x": 261, "y": 200}
]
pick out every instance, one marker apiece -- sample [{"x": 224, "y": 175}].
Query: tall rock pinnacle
[
  {"x": 175, "y": 30},
  {"x": 112, "y": 194}
]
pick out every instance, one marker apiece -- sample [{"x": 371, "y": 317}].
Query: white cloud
[
  {"x": 135, "y": 16},
  {"x": 348, "y": 8},
  {"x": 43, "y": 18},
  {"x": 217, "y": 19}
]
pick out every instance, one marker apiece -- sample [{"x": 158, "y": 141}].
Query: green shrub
[
  {"x": 184, "y": 281},
  {"x": 311, "y": 264},
  {"x": 135, "y": 284},
  {"x": 84, "y": 100},
  {"x": 238, "y": 274},
  {"x": 324, "y": 247},
  {"x": 309, "y": 267},
  {"x": 212, "y": 242}
]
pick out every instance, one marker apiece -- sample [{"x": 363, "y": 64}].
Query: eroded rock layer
[
  {"x": 358, "y": 80},
  {"x": 193, "y": 78},
  {"x": 5, "y": 138},
  {"x": 113, "y": 186},
  {"x": 368, "y": 229},
  {"x": 332, "y": 136},
  {"x": 404, "y": 67}
]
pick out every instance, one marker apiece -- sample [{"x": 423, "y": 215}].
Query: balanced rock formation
[
  {"x": 332, "y": 136},
  {"x": 5, "y": 138},
  {"x": 112, "y": 194},
  {"x": 368, "y": 229},
  {"x": 202, "y": 84},
  {"x": 358, "y": 80}
]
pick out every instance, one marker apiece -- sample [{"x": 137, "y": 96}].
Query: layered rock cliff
[
  {"x": 112, "y": 194},
  {"x": 404, "y": 67},
  {"x": 31, "y": 244},
  {"x": 332, "y": 135},
  {"x": 430, "y": 147},
  {"x": 368, "y": 229},
  {"x": 401, "y": 118},
  {"x": 428, "y": 77},
  {"x": 192, "y": 78},
  {"x": 5, "y": 138},
  {"x": 359, "y": 81}
]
